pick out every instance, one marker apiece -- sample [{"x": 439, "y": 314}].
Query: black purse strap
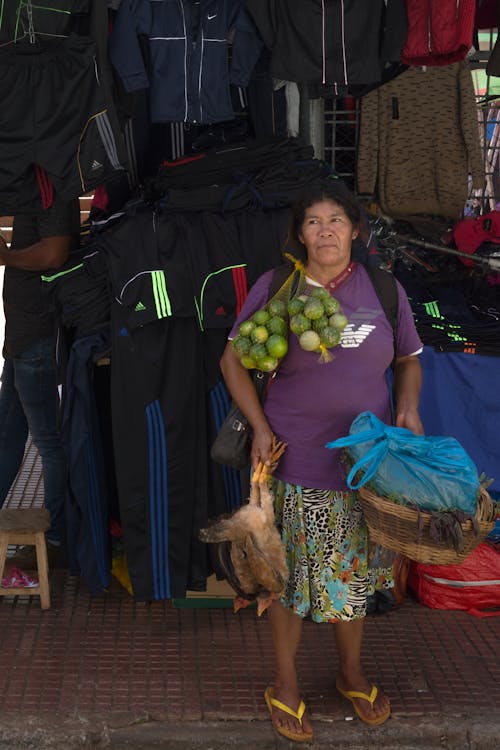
[{"x": 260, "y": 380}]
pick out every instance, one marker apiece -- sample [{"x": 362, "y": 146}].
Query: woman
[{"x": 308, "y": 404}]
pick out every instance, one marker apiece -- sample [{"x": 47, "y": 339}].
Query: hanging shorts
[{"x": 55, "y": 121}]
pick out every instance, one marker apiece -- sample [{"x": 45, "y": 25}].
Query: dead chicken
[{"x": 250, "y": 549}]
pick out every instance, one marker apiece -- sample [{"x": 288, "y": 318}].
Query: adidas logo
[
  {"x": 96, "y": 165},
  {"x": 220, "y": 311},
  {"x": 139, "y": 307}
]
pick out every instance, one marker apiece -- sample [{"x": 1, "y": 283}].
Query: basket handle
[{"x": 372, "y": 460}]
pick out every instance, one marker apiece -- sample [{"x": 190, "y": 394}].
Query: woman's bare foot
[
  {"x": 358, "y": 683},
  {"x": 289, "y": 697}
]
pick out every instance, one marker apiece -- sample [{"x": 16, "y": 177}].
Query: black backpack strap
[
  {"x": 280, "y": 275},
  {"x": 384, "y": 284}
]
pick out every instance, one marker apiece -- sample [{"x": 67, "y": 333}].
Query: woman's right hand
[{"x": 261, "y": 446}]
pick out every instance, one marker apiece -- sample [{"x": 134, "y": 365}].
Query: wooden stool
[{"x": 26, "y": 526}]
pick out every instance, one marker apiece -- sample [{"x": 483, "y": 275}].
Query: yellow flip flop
[
  {"x": 272, "y": 702},
  {"x": 351, "y": 694}
]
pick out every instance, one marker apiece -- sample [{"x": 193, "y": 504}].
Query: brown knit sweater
[{"x": 419, "y": 139}]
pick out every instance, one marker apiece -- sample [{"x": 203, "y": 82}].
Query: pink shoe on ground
[{"x": 18, "y": 579}]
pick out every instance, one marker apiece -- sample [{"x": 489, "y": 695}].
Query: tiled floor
[{"x": 110, "y": 656}]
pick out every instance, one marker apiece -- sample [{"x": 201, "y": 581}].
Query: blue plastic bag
[{"x": 432, "y": 473}]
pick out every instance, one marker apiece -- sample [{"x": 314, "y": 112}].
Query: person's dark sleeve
[{"x": 60, "y": 220}]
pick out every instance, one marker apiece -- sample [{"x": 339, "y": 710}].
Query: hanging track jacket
[
  {"x": 334, "y": 42},
  {"x": 188, "y": 73}
]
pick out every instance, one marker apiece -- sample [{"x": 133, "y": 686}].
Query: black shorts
[{"x": 54, "y": 119}]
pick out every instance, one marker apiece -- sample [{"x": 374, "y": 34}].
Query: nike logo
[{"x": 212, "y": 17}]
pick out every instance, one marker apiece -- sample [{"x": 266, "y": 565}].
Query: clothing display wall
[
  {"x": 184, "y": 117},
  {"x": 175, "y": 280}
]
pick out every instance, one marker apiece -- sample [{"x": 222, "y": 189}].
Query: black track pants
[{"x": 159, "y": 433}]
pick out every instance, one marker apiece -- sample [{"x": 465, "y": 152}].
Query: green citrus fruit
[
  {"x": 261, "y": 317},
  {"x": 277, "y": 325},
  {"x": 295, "y": 306},
  {"x": 259, "y": 335},
  {"x": 313, "y": 309},
  {"x": 319, "y": 292},
  {"x": 246, "y": 328},
  {"x": 331, "y": 305},
  {"x": 320, "y": 323},
  {"x": 241, "y": 345},
  {"x": 267, "y": 364},
  {"x": 248, "y": 362},
  {"x": 338, "y": 320},
  {"x": 299, "y": 323},
  {"x": 310, "y": 341},
  {"x": 277, "y": 346},
  {"x": 330, "y": 337},
  {"x": 277, "y": 307},
  {"x": 257, "y": 352}
]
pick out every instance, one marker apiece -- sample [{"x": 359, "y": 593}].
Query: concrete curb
[{"x": 459, "y": 732}]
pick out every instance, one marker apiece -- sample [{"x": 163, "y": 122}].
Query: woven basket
[{"x": 396, "y": 527}]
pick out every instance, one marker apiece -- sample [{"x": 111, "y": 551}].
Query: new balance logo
[
  {"x": 96, "y": 165},
  {"x": 139, "y": 307}
]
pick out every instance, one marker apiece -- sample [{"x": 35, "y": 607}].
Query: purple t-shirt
[{"x": 311, "y": 403}]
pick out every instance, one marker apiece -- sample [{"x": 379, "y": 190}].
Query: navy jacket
[{"x": 188, "y": 70}]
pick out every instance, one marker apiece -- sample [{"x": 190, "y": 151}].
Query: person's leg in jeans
[
  {"x": 36, "y": 384},
  {"x": 13, "y": 431}
]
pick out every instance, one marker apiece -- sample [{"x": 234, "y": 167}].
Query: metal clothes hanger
[{"x": 30, "y": 32}]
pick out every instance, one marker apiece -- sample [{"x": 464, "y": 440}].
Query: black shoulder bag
[{"x": 231, "y": 446}]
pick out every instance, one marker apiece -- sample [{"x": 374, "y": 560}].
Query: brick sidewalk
[
  {"x": 109, "y": 658},
  {"x": 109, "y": 654}
]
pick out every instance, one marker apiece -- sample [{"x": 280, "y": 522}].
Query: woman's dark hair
[{"x": 326, "y": 190}]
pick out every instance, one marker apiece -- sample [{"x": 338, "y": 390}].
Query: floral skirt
[{"x": 326, "y": 545}]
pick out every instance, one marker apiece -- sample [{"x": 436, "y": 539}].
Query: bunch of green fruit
[
  {"x": 317, "y": 320},
  {"x": 262, "y": 341}
]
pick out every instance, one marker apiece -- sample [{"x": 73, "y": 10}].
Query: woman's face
[{"x": 327, "y": 232}]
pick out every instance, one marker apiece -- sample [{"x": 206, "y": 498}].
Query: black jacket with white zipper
[{"x": 333, "y": 42}]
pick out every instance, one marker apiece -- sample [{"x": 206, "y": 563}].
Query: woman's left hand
[
  {"x": 411, "y": 420},
  {"x": 407, "y": 383}
]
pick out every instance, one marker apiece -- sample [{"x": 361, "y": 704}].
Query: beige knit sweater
[{"x": 418, "y": 141}]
